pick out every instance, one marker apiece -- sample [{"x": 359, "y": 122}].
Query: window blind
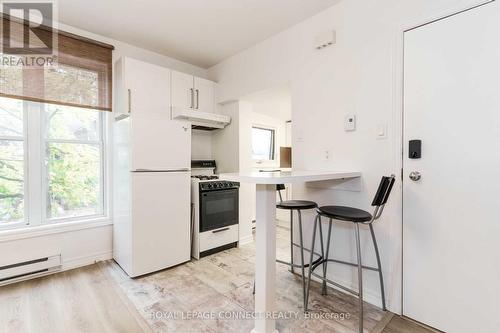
[{"x": 81, "y": 76}]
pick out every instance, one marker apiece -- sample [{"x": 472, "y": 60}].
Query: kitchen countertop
[{"x": 285, "y": 177}]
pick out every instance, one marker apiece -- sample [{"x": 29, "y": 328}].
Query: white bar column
[{"x": 265, "y": 263}]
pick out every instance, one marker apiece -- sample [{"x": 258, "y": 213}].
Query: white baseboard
[
  {"x": 246, "y": 240},
  {"x": 86, "y": 260},
  {"x": 369, "y": 296}
]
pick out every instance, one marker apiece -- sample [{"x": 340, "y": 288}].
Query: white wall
[
  {"x": 201, "y": 145},
  {"x": 361, "y": 74},
  {"x": 275, "y": 102},
  {"x": 225, "y": 142},
  {"x": 80, "y": 244}
]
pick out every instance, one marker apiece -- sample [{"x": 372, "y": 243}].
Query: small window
[{"x": 263, "y": 144}]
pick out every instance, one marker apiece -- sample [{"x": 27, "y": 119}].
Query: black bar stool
[
  {"x": 296, "y": 205},
  {"x": 356, "y": 216}
]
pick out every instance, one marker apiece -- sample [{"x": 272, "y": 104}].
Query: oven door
[{"x": 218, "y": 209}]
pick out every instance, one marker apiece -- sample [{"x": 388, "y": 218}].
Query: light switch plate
[
  {"x": 381, "y": 131},
  {"x": 350, "y": 123}
]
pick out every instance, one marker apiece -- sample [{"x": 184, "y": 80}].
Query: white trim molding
[
  {"x": 50, "y": 229},
  {"x": 246, "y": 240}
]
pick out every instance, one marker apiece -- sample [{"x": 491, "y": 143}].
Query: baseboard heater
[{"x": 30, "y": 268}]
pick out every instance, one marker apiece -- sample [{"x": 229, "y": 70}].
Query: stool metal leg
[
  {"x": 360, "y": 279},
  {"x": 379, "y": 267},
  {"x": 322, "y": 251},
  {"x": 325, "y": 267},
  {"x": 310, "y": 264},
  {"x": 302, "y": 259},
  {"x": 291, "y": 239}
]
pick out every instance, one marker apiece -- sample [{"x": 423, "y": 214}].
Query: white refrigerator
[{"x": 151, "y": 172}]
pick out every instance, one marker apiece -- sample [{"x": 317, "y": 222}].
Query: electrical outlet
[{"x": 327, "y": 155}]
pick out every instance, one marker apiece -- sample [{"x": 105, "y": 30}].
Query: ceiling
[{"x": 200, "y": 32}]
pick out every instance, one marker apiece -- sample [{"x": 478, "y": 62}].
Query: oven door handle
[{"x": 220, "y": 230}]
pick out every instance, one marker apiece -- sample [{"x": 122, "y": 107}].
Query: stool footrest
[
  {"x": 347, "y": 263},
  {"x": 297, "y": 265},
  {"x": 306, "y": 249},
  {"x": 354, "y": 292}
]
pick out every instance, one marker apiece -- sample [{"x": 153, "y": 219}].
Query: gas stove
[
  {"x": 215, "y": 210},
  {"x": 203, "y": 170},
  {"x": 204, "y": 178}
]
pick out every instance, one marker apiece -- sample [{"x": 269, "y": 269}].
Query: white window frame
[
  {"x": 24, "y": 139},
  {"x": 35, "y": 182},
  {"x": 272, "y": 162}
]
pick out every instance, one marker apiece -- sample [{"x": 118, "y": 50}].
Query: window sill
[{"x": 55, "y": 228}]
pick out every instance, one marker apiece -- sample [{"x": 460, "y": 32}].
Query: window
[
  {"x": 263, "y": 143},
  {"x": 70, "y": 156},
  {"x": 74, "y": 162},
  {"x": 52, "y": 130}
]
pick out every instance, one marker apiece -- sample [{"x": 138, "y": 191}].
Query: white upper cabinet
[
  {"x": 194, "y": 93},
  {"x": 182, "y": 90},
  {"x": 146, "y": 88},
  {"x": 204, "y": 92}
]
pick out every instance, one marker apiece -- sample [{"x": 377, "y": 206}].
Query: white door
[
  {"x": 451, "y": 227},
  {"x": 204, "y": 95},
  {"x": 161, "y": 220},
  {"x": 148, "y": 88},
  {"x": 182, "y": 90},
  {"x": 159, "y": 143}
]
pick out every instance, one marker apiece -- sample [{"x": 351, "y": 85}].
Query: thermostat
[{"x": 350, "y": 123}]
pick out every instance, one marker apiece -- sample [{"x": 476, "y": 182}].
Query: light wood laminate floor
[{"x": 194, "y": 297}]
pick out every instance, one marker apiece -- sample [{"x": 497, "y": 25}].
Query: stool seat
[
  {"x": 343, "y": 213},
  {"x": 296, "y": 204}
]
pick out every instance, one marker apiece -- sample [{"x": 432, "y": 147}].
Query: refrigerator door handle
[{"x": 169, "y": 170}]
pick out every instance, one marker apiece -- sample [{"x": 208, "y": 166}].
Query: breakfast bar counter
[{"x": 265, "y": 256}]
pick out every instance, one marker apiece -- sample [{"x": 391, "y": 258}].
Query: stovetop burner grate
[{"x": 203, "y": 177}]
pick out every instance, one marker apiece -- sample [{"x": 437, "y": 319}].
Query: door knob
[{"x": 415, "y": 176}]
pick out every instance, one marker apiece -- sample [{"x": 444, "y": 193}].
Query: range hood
[{"x": 201, "y": 120}]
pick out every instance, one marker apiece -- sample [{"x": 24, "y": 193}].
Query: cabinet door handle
[
  {"x": 192, "y": 98},
  {"x": 197, "y": 99},
  {"x": 220, "y": 230},
  {"x": 129, "y": 100}
]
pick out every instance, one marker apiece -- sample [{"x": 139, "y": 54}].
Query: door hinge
[{"x": 401, "y": 174}]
